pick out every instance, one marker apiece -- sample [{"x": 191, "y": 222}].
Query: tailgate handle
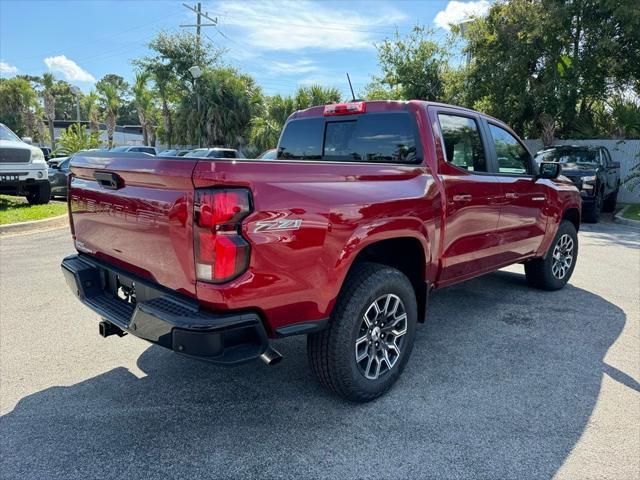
[{"x": 109, "y": 180}]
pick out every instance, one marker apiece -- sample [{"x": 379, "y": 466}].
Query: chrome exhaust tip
[{"x": 271, "y": 356}]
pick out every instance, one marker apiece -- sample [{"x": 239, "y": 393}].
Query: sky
[{"x": 282, "y": 44}]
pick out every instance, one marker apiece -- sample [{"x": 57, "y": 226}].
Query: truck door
[
  {"x": 612, "y": 171},
  {"x": 522, "y": 222},
  {"x": 472, "y": 195}
]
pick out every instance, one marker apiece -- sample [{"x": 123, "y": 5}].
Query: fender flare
[{"x": 374, "y": 232}]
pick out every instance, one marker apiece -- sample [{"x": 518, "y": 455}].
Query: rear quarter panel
[{"x": 296, "y": 274}]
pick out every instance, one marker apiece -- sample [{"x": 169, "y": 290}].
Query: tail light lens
[{"x": 221, "y": 252}]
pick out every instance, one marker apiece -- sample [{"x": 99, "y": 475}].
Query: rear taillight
[
  {"x": 344, "y": 108},
  {"x": 221, "y": 252}
]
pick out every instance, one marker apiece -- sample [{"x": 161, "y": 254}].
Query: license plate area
[{"x": 9, "y": 178}]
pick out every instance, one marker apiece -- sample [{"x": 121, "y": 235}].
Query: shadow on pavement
[
  {"x": 501, "y": 384},
  {"x": 612, "y": 233}
]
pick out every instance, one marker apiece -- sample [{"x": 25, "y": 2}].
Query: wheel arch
[
  {"x": 572, "y": 214},
  {"x": 406, "y": 253}
]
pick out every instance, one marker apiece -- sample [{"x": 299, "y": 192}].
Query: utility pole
[
  {"x": 199, "y": 14},
  {"x": 196, "y": 71}
]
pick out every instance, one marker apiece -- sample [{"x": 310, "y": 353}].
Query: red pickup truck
[{"x": 368, "y": 208}]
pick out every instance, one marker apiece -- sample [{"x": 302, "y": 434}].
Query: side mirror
[
  {"x": 615, "y": 164},
  {"x": 549, "y": 170}
]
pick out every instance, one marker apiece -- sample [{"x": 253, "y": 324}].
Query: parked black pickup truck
[{"x": 592, "y": 171}]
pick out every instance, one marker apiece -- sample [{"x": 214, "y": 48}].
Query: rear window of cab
[{"x": 388, "y": 137}]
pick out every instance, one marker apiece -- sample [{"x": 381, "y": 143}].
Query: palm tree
[
  {"x": 229, "y": 101},
  {"x": 110, "y": 103},
  {"x": 90, "y": 102},
  {"x": 48, "y": 83},
  {"x": 162, "y": 78},
  {"x": 144, "y": 104}
]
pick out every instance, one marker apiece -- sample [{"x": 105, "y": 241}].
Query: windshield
[
  {"x": 222, "y": 154},
  {"x": 6, "y": 134},
  {"x": 197, "y": 153},
  {"x": 567, "y": 156},
  {"x": 119, "y": 149},
  {"x": 269, "y": 155},
  {"x": 213, "y": 153}
]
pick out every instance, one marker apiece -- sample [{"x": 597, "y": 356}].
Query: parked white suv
[{"x": 23, "y": 169}]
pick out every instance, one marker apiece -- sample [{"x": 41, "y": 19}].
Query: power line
[
  {"x": 100, "y": 38},
  {"x": 199, "y": 14}
]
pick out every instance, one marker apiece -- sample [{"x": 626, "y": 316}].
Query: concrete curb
[
  {"x": 618, "y": 218},
  {"x": 35, "y": 225}
]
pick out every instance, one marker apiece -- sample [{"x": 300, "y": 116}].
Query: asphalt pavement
[{"x": 505, "y": 382}]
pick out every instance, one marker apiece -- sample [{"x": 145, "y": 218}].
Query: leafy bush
[{"x": 75, "y": 138}]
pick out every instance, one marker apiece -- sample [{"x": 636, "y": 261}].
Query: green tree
[
  {"x": 267, "y": 124},
  {"x": 49, "y": 100},
  {"x": 545, "y": 64},
  {"x": 313, "y": 95},
  {"x": 18, "y": 103},
  {"x": 167, "y": 92},
  {"x": 110, "y": 101},
  {"x": 76, "y": 138},
  {"x": 412, "y": 67},
  {"x": 143, "y": 98},
  {"x": 112, "y": 92},
  {"x": 91, "y": 107},
  {"x": 228, "y": 101},
  {"x": 176, "y": 53},
  {"x": 65, "y": 104},
  {"x": 168, "y": 69}
]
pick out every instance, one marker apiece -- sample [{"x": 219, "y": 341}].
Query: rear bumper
[{"x": 164, "y": 317}]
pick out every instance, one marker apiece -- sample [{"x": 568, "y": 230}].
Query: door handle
[
  {"x": 463, "y": 197},
  {"x": 109, "y": 180},
  {"x": 511, "y": 195}
]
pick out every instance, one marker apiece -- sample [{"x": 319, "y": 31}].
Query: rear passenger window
[
  {"x": 462, "y": 142},
  {"x": 512, "y": 156},
  {"x": 302, "y": 139}
]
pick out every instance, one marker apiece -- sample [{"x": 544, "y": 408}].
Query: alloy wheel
[
  {"x": 381, "y": 336},
  {"x": 562, "y": 256}
]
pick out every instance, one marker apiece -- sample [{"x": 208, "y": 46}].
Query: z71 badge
[{"x": 276, "y": 225}]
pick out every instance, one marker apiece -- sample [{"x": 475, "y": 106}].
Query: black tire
[
  {"x": 610, "y": 202},
  {"x": 542, "y": 273},
  {"x": 40, "y": 195},
  {"x": 332, "y": 352},
  {"x": 591, "y": 212}
]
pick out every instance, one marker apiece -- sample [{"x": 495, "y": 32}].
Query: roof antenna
[{"x": 353, "y": 95}]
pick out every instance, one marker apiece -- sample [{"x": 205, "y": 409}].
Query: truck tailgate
[{"x": 135, "y": 211}]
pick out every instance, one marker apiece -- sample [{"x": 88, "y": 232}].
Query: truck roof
[{"x": 387, "y": 106}]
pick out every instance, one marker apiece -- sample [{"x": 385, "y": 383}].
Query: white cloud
[
  {"x": 6, "y": 69},
  {"x": 456, "y": 11},
  {"x": 68, "y": 68},
  {"x": 292, "y": 68},
  {"x": 303, "y": 24}
]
